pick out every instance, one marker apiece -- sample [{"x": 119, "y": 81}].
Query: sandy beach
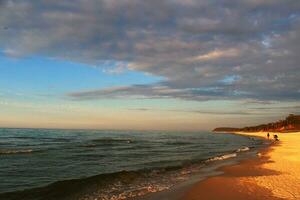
[{"x": 274, "y": 174}]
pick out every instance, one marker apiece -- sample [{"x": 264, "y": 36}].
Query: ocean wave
[
  {"x": 113, "y": 186},
  {"x": 88, "y": 145},
  {"x": 16, "y": 151},
  {"x": 243, "y": 149},
  {"x": 118, "y": 185},
  {"x": 103, "y": 142},
  {"x": 230, "y": 155},
  {"x": 223, "y": 157},
  {"x": 58, "y": 139},
  {"x": 178, "y": 143},
  {"x": 21, "y": 137},
  {"x": 112, "y": 140}
]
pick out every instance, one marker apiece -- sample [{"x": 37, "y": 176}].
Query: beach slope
[{"x": 273, "y": 175}]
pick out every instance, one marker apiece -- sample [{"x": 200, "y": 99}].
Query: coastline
[
  {"x": 205, "y": 152},
  {"x": 187, "y": 190},
  {"x": 266, "y": 172},
  {"x": 272, "y": 175}
]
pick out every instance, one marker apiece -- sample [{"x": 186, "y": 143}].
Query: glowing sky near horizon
[{"x": 131, "y": 64}]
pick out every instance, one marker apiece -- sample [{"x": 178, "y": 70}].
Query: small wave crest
[
  {"x": 112, "y": 140},
  {"x": 243, "y": 149},
  {"x": 88, "y": 145},
  {"x": 19, "y": 151},
  {"x": 114, "y": 186},
  {"x": 230, "y": 155},
  {"x": 223, "y": 157}
]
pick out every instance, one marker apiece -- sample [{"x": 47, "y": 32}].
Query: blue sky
[{"x": 44, "y": 76}]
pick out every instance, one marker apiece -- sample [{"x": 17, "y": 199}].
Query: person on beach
[
  {"x": 268, "y": 135},
  {"x": 276, "y": 138}
]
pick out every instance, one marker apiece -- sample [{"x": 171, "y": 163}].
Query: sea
[{"x": 105, "y": 164}]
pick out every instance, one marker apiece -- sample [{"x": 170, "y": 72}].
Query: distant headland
[{"x": 289, "y": 124}]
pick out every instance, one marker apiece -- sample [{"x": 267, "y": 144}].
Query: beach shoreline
[
  {"x": 173, "y": 159},
  {"x": 215, "y": 169},
  {"x": 266, "y": 171},
  {"x": 272, "y": 175}
]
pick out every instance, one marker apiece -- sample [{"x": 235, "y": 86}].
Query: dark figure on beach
[
  {"x": 276, "y": 137},
  {"x": 268, "y": 135}
]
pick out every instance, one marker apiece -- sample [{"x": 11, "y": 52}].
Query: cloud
[
  {"x": 161, "y": 91},
  {"x": 150, "y": 92},
  {"x": 257, "y": 102},
  {"x": 216, "y": 54},
  {"x": 292, "y": 108},
  {"x": 193, "y": 44},
  {"x": 199, "y": 111},
  {"x": 115, "y": 67}
]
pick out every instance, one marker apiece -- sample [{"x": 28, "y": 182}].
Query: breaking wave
[
  {"x": 119, "y": 185},
  {"x": 243, "y": 149},
  {"x": 223, "y": 157}
]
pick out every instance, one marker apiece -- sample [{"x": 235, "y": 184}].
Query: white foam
[
  {"x": 16, "y": 151},
  {"x": 223, "y": 157},
  {"x": 243, "y": 149}
]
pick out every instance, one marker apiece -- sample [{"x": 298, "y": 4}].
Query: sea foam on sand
[{"x": 285, "y": 159}]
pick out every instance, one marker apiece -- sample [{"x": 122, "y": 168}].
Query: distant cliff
[{"x": 289, "y": 124}]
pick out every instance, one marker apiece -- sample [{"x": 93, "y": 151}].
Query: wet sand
[
  {"x": 185, "y": 190},
  {"x": 233, "y": 184},
  {"x": 273, "y": 175}
]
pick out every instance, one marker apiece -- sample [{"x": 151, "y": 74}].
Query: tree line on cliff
[{"x": 289, "y": 124}]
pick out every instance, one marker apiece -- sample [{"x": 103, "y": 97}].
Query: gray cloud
[
  {"x": 291, "y": 108},
  {"x": 196, "y": 45},
  {"x": 151, "y": 91}
]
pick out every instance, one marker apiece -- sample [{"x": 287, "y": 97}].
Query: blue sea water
[{"x": 106, "y": 163}]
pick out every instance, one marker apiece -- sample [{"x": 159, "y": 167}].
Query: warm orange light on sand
[{"x": 285, "y": 159}]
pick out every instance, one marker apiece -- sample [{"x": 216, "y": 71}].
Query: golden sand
[
  {"x": 273, "y": 175},
  {"x": 285, "y": 159}
]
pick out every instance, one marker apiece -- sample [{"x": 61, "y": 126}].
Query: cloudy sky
[{"x": 148, "y": 64}]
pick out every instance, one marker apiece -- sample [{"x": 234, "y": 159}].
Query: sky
[{"x": 148, "y": 65}]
